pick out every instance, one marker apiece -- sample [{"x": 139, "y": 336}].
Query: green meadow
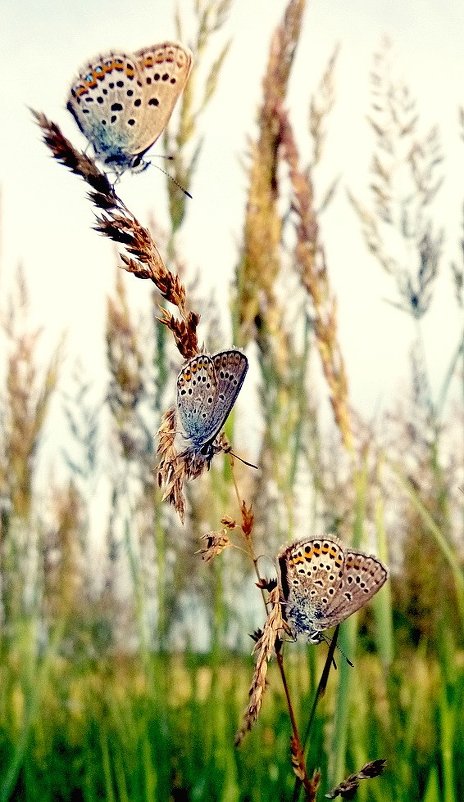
[{"x": 126, "y": 656}]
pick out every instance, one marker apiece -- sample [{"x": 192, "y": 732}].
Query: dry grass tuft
[{"x": 175, "y": 468}]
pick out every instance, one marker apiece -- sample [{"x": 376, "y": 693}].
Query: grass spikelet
[
  {"x": 79, "y": 163},
  {"x": 405, "y": 180},
  {"x": 215, "y": 543},
  {"x": 348, "y": 787},
  {"x": 264, "y": 650},
  {"x": 171, "y": 470}
]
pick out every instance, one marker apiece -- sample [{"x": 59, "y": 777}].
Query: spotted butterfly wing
[
  {"x": 165, "y": 70},
  {"x": 230, "y": 368},
  {"x": 101, "y": 100},
  {"x": 206, "y": 391},
  {"x": 310, "y": 575},
  {"x": 196, "y": 396},
  {"x": 363, "y": 576}
]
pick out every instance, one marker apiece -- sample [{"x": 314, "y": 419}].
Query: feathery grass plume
[
  {"x": 256, "y": 303},
  {"x": 79, "y": 163},
  {"x": 320, "y": 106},
  {"x": 458, "y": 270},
  {"x": 27, "y": 401},
  {"x": 210, "y": 17},
  {"x": 310, "y": 260},
  {"x": 348, "y": 787},
  {"x": 259, "y": 309},
  {"x": 62, "y": 551},
  {"x": 403, "y": 187}
]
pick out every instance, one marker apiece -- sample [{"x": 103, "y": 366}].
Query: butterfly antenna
[
  {"x": 328, "y": 641},
  {"x": 250, "y": 464},
  {"x": 185, "y": 191}
]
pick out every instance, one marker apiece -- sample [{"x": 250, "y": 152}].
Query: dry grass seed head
[
  {"x": 264, "y": 649},
  {"x": 116, "y": 222},
  {"x": 348, "y": 787},
  {"x": 215, "y": 542}
]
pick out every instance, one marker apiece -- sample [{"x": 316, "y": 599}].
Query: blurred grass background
[{"x": 127, "y": 679}]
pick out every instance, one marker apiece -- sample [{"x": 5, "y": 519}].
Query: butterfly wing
[
  {"x": 196, "y": 397},
  {"x": 230, "y": 368},
  {"x": 105, "y": 100},
  {"x": 164, "y": 70},
  {"x": 363, "y": 575}
]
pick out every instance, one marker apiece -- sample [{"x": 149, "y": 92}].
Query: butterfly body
[
  {"x": 122, "y": 102},
  {"x": 323, "y": 583}
]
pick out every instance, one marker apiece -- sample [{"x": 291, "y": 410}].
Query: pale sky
[{"x": 47, "y": 220}]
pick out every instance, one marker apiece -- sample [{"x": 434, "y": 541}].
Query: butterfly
[
  {"x": 322, "y": 583},
  {"x": 207, "y": 387},
  {"x": 122, "y": 102}
]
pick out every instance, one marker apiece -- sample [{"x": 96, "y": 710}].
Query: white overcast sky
[{"x": 46, "y": 219}]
